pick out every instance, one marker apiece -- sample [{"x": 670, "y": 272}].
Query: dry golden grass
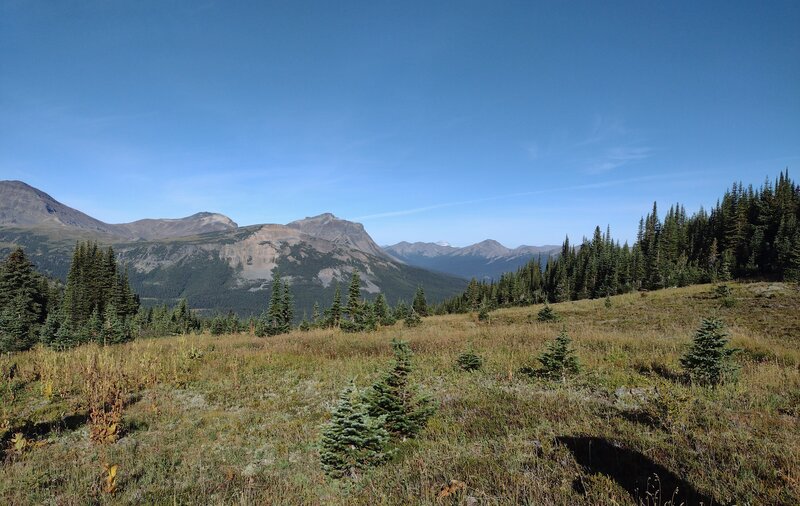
[{"x": 236, "y": 419}]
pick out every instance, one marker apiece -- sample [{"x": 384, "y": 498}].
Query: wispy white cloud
[
  {"x": 613, "y": 158},
  {"x": 604, "y": 129},
  {"x": 573, "y": 188},
  {"x": 606, "y": 145}
]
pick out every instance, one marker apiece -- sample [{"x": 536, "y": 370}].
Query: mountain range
[
  {"x": 219, "y": 266},
  {"x": 22, "y": 206},
  {"x": 210, "y": 260},
  {"x": 484, "y": 260}
]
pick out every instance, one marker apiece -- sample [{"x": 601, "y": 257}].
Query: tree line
[
  {"x": 749, "y": 233},
  {"x": 356, "y": 314},
  {"x": 361, "y": 315},
  {"x": 96, "y": 304}
]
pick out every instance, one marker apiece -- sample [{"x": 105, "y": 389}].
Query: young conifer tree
[
  {"x": 353, "y": 439},
  {"x": 305, "y": 326},
  {"x": 22, "y": 302},
  {"x": 420, "y": 304},
  {"x": 469, "y": 361},
  {"x": 217, "y": 325},
  {"x": 315, "y": 315},
  {"x": 412, "y": 319},
  {"x": 94, "y": 326},
  {"x": 401, "y": 310},
  {"x": 546, "y": 314},
  {"x": 275, "y": 311},
  {"x": 354, "y": 297},
  {"x": 709, "y": 359},
  {"x": 114, "y": 330},
  {"x": 381, "y": 310},
  {"x": 336, "y": 308},
  {"x": 66, "y": 336},
  {"x": 483, "y": 312},
  {"x": 368, "y": 321},
  {"x": 559, "y": 359},
  {"x": 393, "y": 397},
  {"x": 47, "y": 334}
]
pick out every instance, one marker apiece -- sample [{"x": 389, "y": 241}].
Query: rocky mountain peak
[
  {"x": 22, "y": 205},
  {"x": 199, "y": 223},
  {"x": 488, "y": 248},
  {"x": 347, "y": 233}
]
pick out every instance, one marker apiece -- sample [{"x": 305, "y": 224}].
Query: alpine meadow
[{"x": 563, "y": 268}]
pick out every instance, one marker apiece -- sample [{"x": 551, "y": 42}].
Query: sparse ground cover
[{"x": 237, "y": 419}]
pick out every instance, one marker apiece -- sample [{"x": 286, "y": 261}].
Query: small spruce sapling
[
  {"x": 546, "y": 314},
  {"x": 94, "y": 327},
  {"x": 483, "y": 312},
  {"x": 392, "y": 397},
  {"x": 47, "y": 334},
  {"x": 722, "y": 291},
  {"x": 469, "y": 361},
  {"x": 65, "y": 336},
  {"x": 725, "y": 293},
  {"x": 709, "y": 358},
  {"x": 352, "y": 440},
  {"x": 558, "y": 360},
  {"x": 304, "y": 326},
  {"x": 412, "y": 319}
]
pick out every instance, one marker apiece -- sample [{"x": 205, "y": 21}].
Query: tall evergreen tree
[
  {"x": 21, "y": 302},
  {"x": 381, "y": 311},
  {"x": 276, "y": 311},
  {"x": 354, "y": 296},
  {"x": 315, "y": 315},
  {"x": 420, "y": 304},
  {"x": 287, "y": 307},
  {"x": 336, "y": 307}
]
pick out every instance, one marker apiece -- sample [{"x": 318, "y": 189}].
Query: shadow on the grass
[
  {"x": 647, "y": 482},
  {"x": 41, "y": 429}
]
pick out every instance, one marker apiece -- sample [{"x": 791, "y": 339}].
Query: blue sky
[{"x": 456, "y": 121}]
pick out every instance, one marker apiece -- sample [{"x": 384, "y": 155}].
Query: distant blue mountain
[{"x": 485, "y": 260}]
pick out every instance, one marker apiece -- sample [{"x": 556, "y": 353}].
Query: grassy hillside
[{"x": 236, "y": 419}]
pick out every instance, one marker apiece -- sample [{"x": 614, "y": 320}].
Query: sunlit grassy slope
[{"x": 235, "y": 419}]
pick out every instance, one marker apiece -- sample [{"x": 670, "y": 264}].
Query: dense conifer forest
[
  {"x": 95, "y": 305},
  {"x": 749, "y": 233}
]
